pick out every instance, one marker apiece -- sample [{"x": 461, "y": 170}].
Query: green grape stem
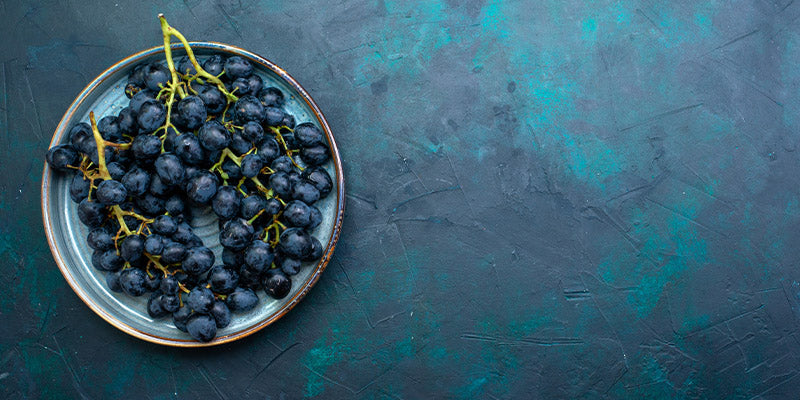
[{"x": 168, "y": 31}]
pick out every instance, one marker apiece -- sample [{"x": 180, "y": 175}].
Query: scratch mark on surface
[
  {"x": 692, "y": 220},
  {"x": 787, "y": 5},
  {"x": 791, "y": 376},
  {"x": 73, "y": 374},
  {"x": 532, "y": 341},
  {"x": 185, "y": 3},
  {"x": 35, "y": 107},
  {"x": 639, "y": 10},
  {"x": 363, "y": 199},
  {"x": 417, "y": 197},
  {"x": 618, "y": 341},
  {"x": 230, "y": 21},
  {"x": 737, "y": 316},
  {"x": 333, "y": 381},
  {"x": 404, "y": 159},
  {"x": 272, "y": 361},
  {"x": 662, "y": 115},
  {"x": 203, "y": 372},
  {"x": 458, "y": 183},
  {"x": 736, "y": 39},
  {"x": 390, "y": 317}
]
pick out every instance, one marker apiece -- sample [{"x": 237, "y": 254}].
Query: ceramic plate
[{"x": 67, "y": 236}]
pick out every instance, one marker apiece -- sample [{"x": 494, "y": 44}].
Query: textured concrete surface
[{"x": 546, "y": 199}]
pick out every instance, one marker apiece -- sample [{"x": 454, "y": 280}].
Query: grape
[
  {"x": 315, "y": 155},
  {"x": 251, "y": 165},
  {"x": 136, "y": 181},
  {"x": 79, "y": 187},
  {"x": 169, "y": 169},
  {"x": 223, "y": 280},
  {"x": 258, "y": 256},
  {"x": 189, "y": 113},
  {"x": 198, "y": 260},
  {"x": 226, "y": 202},
  {"x": 295, "y": 242},
  {"x": 320, "y": 179},
  {"x": 132, "y": 248},
  {"x": 277, "y": 284},
  {"x": 155, "y": 76},
  {"x": 308, "y": 134},
  {"x": 214, "y": 136},
  {"x": 271, "y": 96},
  {"x": 202, "y": 187},
  {"x": 238, "y": 67},
  {"x": 248, "y": 108},
  {"x": 132, "y": 281},
  {"x": 214, "y": 65},
  {"x": 241, "y": 300},
  {"x": 202, "y": 327},
  {"x": 221, "y": 313},
  {"x": 200, "y": 300},
  {"x": 62, "y": 157},
  {"x": 305, "y": 191},
  {"x": 273, "y": 116},
  {"x": 151, "y": 116}
]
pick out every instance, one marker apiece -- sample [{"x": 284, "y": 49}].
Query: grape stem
[{"x": 168, "y": 32}]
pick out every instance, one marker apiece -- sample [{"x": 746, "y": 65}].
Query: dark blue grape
[
  {"x": 251, "y": 206},
  {"x": 248, "y": 108},
  {"x": 258, "y": 256},
  {"x": 297, "y": 213},
  {"x": 226, "y": 202},
  {"x": 173, "y": 253},
  {"x": 236, "y": 234},
  {"x": 126, "y": 121},
  {"x": 316, "y": 218},
  {"x": 273, "y": 116},
  {"x": 91, "y": 213},
  {"x": 202, "y": 187},
  {"x": 154, "y": 245},
  {"x": 316, "y": 250},
  {"x": 79, "y": 187},
  {"x": 164, "y": 225},
  {"x": 223, "y": 280},
  {"x": 221, "y": 313},
  {"x": 150, "y": 204},
  {"x": 116, "y": 170},
  {"x": 295, "y": 242},
  {"x": 288, "y": 120},
  {"x": 198, "y": 260},
  {"x": 307, "y": 134},
  {"x": 231, "y": 258},
  {"x": 63, "y": 156},
  {"x": 174, "y": 205},
  {"x": 251, "y": 165},
  {"x": 305, "y": 191},
  {"x": 107, "y": 260},
  {"x": 202, "y": 327},
  {"x": 156, "y": 76},
  {"x": 289, "y": 266},
  {"x": 146, "y": 147},
  {"x": 185, "y": 66},
  {"x": 277, "y": 284},
  {"x": 81, "y": 136},
  {"x": 170, "y": 169},
  {"x": 109, "y": 129},
  {"x": 239, "y": 145},
  {"x": 140, "y": 98},
  {"x": 252, "y": 131},
  {"x": 112, "y": 281},
  {"x": 279, "y": 182},
  {"x": 271, "y": 97},
  {"x": 169, "y": 285},
  {"x": 132, "y": 281},
  {"x": 214, "y": 136},
  {"x": 212, "y": 98},
  {"x": 238, "y": 67},
  {"x": 132, "y": 248},
  {"x": 214, "y": 65},
  {"x": 282, "y": 164},
  {"x": 111, "y": 192},
  {"x": 241, "y": 300},
  {"x": 315, "y": 155},
  {"x": 100, "y": 239},
  {"x": 320, "y": 179},
  {"x": 136, "y": 181},
  {"x": 200, "y": 299},
  {"x": 230, "y": 168},
  {"x": 189, "y": 113},
  {"x": 180, "y": 317},
  {"x": 151, "y": 116},
  {"x": 188, "y": 148}
]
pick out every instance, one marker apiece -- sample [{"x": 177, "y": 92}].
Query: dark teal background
[{"x": 546, "y": 199}]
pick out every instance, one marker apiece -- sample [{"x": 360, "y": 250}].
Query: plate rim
[{"x": 321, "y": 265}]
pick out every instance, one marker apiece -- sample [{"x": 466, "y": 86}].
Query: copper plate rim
[{"x": 61, "y": 130}]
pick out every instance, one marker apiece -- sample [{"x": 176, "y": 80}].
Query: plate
[{"x": 67, "y": 236}]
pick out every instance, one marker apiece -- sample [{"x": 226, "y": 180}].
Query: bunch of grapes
[{"x": 195, "y": 136}]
